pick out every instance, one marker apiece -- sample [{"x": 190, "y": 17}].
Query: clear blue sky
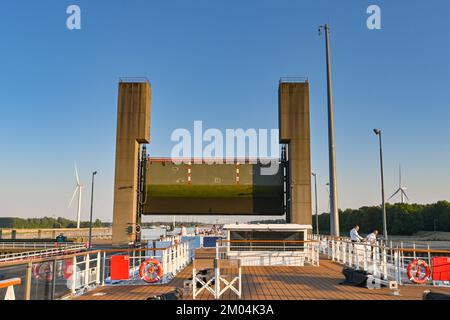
[{"x": 220, "y": 61}]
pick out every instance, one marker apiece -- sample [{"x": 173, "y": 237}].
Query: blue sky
[{"x": 220, "y": 62}]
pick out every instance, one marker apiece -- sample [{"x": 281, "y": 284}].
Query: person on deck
[
  {"x": 354, "y": 236},
  {"x": 372, "y": 237},
  {"x": 183, "y": 230}
]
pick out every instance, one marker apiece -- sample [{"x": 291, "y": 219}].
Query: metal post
[
  {"x": 332, "y": 250},
  {"x": 374, "y": 260},
  {"x": 132, "y": 263},
  {"x": 216, "y": 278},
  {"x": 92, "y": 204},
  {"x": 74, "y": 274},
  {"x": 401, "y": 255},
  {"x": 317, "y": 212},
  {"x": 52, "y": 296},
  {"x": 28, "y": 281},
  {"x": 365, "y": 258},
  {"x": 194, "y": 283},
  {"x": 334, "y": 214},
  {"x": 104, "y": 268},
  {"x": 97, "y": 278},
  {"x": 86, "y": 270},
  {"x": 383, "y": 204}
]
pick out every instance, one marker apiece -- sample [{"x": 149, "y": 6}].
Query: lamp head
[
  {"x": 94, "y": 173},
  {"x": 377, "y": 131}
]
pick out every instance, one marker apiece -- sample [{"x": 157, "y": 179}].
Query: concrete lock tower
[
  {"x": 293, "y": 108},
  {"x": 133, "y": 129}
]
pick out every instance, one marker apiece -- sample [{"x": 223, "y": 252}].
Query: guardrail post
[
  {"x": 104, "y": 269},
  {"x": 164, "y": 261},
  {"x": 332, "y": 250},
  {"x": 28, "y": 281},
  {"x": 398, "y": 277},
  {"x": 429, "y": 254},
  {"x": 133, "y": 263},
  {"x": 216, "y": 279},
  {"x": 318, "y": 254},
  {"x": 401, "y": 255},
  {"x": 339, "y": 250},
  {"x": 86, "y": 270},
  {"x": 374, "y": 260},
  {"x": 365, "y": 258},
  {"x": 356, "y": 253},
  {"x": 52, "y": 296},
  {"x": 74, "y": 274},
  {"x": 97, "y": 274},
  {"x": 384, "y": 263}
]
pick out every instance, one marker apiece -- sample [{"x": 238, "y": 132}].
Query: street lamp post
[
  {"x": 92, "y": 205},
  {"x": 378, "y": 133},
  {"x": 334, "y": 213},
  {"x": 317, "y": 212}
]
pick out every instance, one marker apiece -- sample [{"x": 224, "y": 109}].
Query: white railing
[
  {"x": 86, "y": 272},
  {"x": 34, "y": 245},
  {"x": 173, "y": 259},
  {"x": 41, "y": 253},
  {"x": 270, "y": 253},
  {"x": 384, "y": 262}
]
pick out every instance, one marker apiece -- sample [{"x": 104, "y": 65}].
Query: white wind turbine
[
  {"x": 401, "y": 188},
  {"x": 79, "y": 187}
]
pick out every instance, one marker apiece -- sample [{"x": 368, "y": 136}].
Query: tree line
[
  {"x": 45, "y": 223},
  {"x": 402, "y": 218}
]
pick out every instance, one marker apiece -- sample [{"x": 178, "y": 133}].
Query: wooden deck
[{"x": 272, "y": 283}]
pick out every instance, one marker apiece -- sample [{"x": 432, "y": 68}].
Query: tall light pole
[
  {"x": 334, "y": 214},
  {"x": 317, "y": 212},
  {"x": 378, "y": 133},
  {"x": 92, "y": 205}
]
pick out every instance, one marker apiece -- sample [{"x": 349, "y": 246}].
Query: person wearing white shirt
[
  {"x": 372, "y": 238},
  {"x": 183, "y": 230},
  {"x": 354, "y": 236}
]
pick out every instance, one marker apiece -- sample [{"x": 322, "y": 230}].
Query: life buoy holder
[
  {"x": 43, "y": 271},
  {"x": 415, "y": 274},
  {"x": 151, "y": 271}
]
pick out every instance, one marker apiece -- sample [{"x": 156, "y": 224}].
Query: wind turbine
[
  {"x": 78, "y": 188},
  {"x": 400, "y": 189}
]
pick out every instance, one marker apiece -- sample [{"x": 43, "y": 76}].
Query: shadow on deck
[{"x": 271, "y": 283}]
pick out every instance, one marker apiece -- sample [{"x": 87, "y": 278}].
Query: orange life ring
[
  {"x": 43, "y": 271},
  {"x": 415, "y": 275},
  {"x": 151, "y": 270}
]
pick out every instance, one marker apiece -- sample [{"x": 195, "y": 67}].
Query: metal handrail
[
  {"x": 18, "y": 245},
  {"x": 38, "y": 253},
  {"x": 430, "y": 250},
  {"x": 270, "y": 241}
]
